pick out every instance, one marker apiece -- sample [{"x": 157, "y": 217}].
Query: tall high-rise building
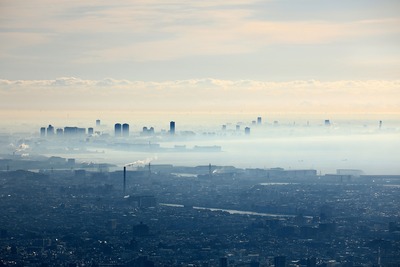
[
  {"x": 90, "y": 131},
  {"x": 60, "y": 132},
  {"x": 125, "y": 129},
  {"x": 97, "y": 123},
  {"x": 43, "y": 131},
  {"x": 172, "y": 127},
  {"x": 247, "y": 130},
  {"x": 327, "y": 123},
  {"x": 74, "y": 131},
  {"x": 259, "y": 120},
  {"x": 117, "y": 129},
  {"x": 50, "y": 130}
]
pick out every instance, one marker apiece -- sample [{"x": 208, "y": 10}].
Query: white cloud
[{"x": 200, "y": 95}]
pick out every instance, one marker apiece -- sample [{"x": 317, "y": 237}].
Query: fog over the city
[{"x": 366, "y": 145}]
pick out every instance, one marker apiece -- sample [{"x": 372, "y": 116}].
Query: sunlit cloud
[
  {"x": 167, "y": 30},
  {"x": 202, "y": 95}
]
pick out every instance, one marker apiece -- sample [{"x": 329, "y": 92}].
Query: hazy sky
[{"x": 299, "y": 55}]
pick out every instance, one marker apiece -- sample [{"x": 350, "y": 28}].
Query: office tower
[
  {"x": 327, "y": 123},
  {"x": 259, "y": 120},
  {"x": 97, "y": 123},
  {"x": 172, "y": 127},
  {"x": 90, "y": 131},
  {"x": 117, "y": 129},
  {"x": 247, "y": 130},
  {"x": 50, "y": 130},
  {"x": 43, "y": 131},
  {"x": 125, "y": 129},
  {"x": 280, "y": 261},
  {"x": 253, "y": 122},
  {"x": 380, "y": 124},
  {"x": 60, "y": 132},
  {"x": 74, "y": 131},
  {"x": 148, "y": 131},
  {"x": 69, "y": 130}
]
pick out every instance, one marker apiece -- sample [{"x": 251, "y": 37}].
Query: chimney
[
  {"x": 149, "y": 170},
  {"x": 124, "y": 179}
]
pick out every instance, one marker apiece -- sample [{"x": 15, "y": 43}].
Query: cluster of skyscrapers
[
  {"x": 66, "y": 131},
  {"x": 71, "y": 131},
  {"x": 121, "y": 129}
]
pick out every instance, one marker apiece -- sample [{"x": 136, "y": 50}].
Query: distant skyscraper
[
  {"x": 90, "y": 131},
  {"x": 50, "y": 130},
  {"x": 237, "y": 127},
  {"x": 327, "y": 123},
  {"x": 97, "y": 123},
  {"x": 247, "y": 130},
  {"x": 259, "y": 120},
  {"x": 253, "y": 122},
  {"x": 172, "y": 127},
  {"x": 74, "y": 131},
  {"x": 380, "y": 124},
  {"x": 148, "y": 131},
  {"x": 125, "y": 129},
  {"x": 117, "y": 129},
  {"x": 43, "y": 131},
  {"x": 224, "y": 127},
  {"x": 60, "y": 132}
]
